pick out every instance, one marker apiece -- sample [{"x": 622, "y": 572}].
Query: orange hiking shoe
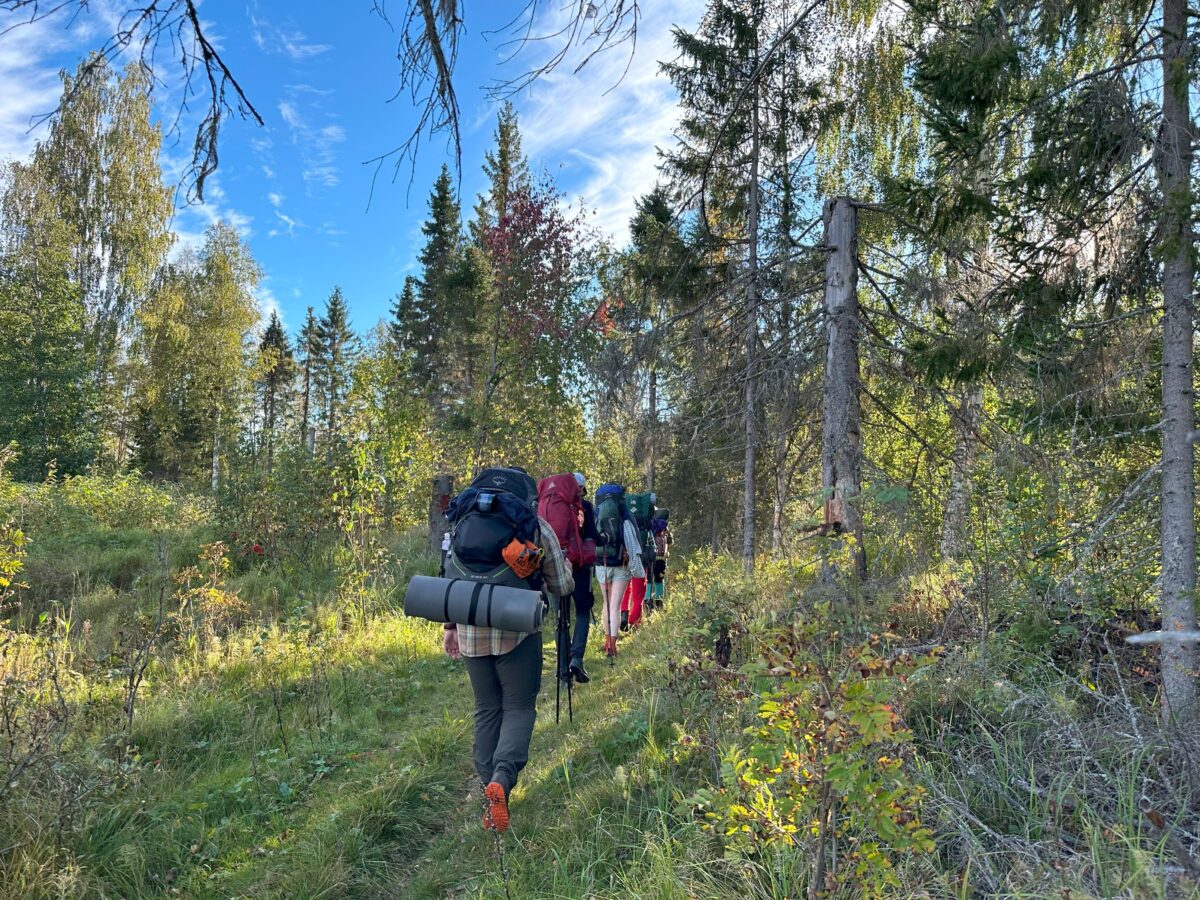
[{"x": 495, "y": 813}]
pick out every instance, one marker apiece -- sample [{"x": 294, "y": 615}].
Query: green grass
[
  {"x": 369, "y": 796},
  {"x": 320, "y": 752}
]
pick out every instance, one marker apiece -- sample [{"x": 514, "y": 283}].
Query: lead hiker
[
  {"x": 661, "y": 526},
  {"x": 618, "y": 557},
  {"x": 498, "y": 538}
]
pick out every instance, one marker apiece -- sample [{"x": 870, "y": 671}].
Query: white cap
[{"x": 580, "y": 480}]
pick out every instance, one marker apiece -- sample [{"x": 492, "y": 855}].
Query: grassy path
[
  {"x": 286, "y": 768},
  {"x": 579, "y": 814}
]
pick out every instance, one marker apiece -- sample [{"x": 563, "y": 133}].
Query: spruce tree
[
  {"x": 308, "y": 343},
  {"x": 507, "y": 171},
  {"x": 408, "y": 322},
  {"x": 335, "y": 341},
  {"x": 276, "y": 372},
  {"x": 438, "y": 313}
]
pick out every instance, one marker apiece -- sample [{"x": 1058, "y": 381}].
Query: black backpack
[{"x": 500, "y": 504}]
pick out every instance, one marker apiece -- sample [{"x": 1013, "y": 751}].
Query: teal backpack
[
  {"x": 610, "y": 523},
  {"x": 641, "y": 511}
]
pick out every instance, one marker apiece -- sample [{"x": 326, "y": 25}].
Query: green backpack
[
  {"x": 641, "y": 511},
  {"x": 610, "y": 523}
]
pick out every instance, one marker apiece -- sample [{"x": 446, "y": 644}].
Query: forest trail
[{"x": 573, "y": 825}]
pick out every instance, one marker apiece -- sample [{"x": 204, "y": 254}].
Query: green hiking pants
[{"x": 506, "y": 689}]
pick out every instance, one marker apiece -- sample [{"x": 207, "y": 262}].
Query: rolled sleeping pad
[{"x": 473, "y": 603}]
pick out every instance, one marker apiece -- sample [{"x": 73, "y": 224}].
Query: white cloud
[
  {"x": 290, "y": 42},
  {"x": 317, "y": 143},
  {"x": 603, "y": 125},
  {"x": 288, "y": 222},
  {"x": 32, "y": 86},
  {"x": 291, "y": 115},
  {"x": 264, "y": 298},
  {"x": 275, "y": 199},
  {"x": 191, "y": 221}
]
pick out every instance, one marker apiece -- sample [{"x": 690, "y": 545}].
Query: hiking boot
[
  {"x": 495, "y": 809},
  {"x": 624, "y": 620},
  {"x": 578, "y": 672},
  {"x": 610, "y": 645}
]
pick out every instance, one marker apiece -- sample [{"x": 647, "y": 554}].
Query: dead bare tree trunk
[
  {"x": 841, "y": 454},
  {"x": 652, "y": 455},
  {"x": 1174, "y": 161},
  {"x": 965, "y": 420},
  {"x": 751, "y": 412}
]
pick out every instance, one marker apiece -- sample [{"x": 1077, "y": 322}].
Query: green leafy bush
[
  {"x": 111, "y": 501},
  {"x": 823, "y": 768}
]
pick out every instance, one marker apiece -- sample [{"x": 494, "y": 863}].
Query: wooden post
[
  {"x": 841, "y": 456},
  {"x": 443, "y": 490}
]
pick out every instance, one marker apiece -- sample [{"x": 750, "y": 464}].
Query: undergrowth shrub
[
  {"x": 824, "y": 770},
  {"x": 810, "y": 763},
  {"x": 112, "y": 501}
]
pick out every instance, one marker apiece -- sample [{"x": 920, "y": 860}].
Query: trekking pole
[{"x": 562, "y": 644}]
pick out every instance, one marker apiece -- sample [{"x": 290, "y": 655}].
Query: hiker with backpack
[
  {"x": 497, "y": 538},
  {"x": 585, "y": 600},
  {"x": 661, "y": 528},
  {"x": 618, "y": 557},
  {"x": 641, "y": 514},
  {"x": 561, "y": 503}
]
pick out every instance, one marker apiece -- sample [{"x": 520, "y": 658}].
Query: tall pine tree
[
  {"x": 277, "y": 370},
  {"x": 308, "y": 343},
  {"x": 336, "y": 345}
]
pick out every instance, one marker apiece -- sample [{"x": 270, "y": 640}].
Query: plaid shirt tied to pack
[{"x": 478, "y": 640}]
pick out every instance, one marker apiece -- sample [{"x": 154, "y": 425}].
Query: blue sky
[{"x": 298, "y": 188}]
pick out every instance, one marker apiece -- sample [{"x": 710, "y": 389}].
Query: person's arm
[
  {"x": 633, "y": 546},
  {"x": 556, "y": 570}
]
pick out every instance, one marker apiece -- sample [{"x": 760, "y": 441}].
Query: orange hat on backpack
[{"x": 522, "y": 557}]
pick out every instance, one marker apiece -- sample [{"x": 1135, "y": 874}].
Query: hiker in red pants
[
  {"x": 641, "y": 512},
  {"x": 631, "y": 603}
]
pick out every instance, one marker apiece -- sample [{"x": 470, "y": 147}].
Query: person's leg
[
  {"x": 489, "y": 710},
  {"x": 520, "y": 675},
  {"x": 616, "y": 592},
  {"x": 636, "y": 594},
  {"x": 584, "y": 601}
]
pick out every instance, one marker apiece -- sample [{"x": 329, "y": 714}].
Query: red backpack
[{"x": 560, "y": 504}]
